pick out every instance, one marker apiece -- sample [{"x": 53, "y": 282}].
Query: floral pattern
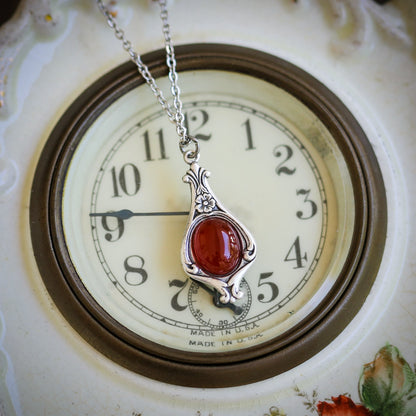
[
  {"x": 342, "y": 406},
  {"x": 274, "y": 411},
  {"x": 388, "y": 384},
  {"x": 387, "y": 387},
  {"x": 204, "y": 203}
]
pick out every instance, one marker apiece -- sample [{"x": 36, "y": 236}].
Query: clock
[{"x": 109, "y": 208}]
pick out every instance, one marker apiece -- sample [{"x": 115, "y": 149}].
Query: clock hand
[
  {"x": 238, "y": 310},
  {"x": 125, "y": 214}
]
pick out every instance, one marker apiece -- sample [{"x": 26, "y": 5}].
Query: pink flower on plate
[{"x": 342, "y": 406}]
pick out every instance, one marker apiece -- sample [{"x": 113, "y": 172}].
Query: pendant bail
[{"x": 189, "y": 155}]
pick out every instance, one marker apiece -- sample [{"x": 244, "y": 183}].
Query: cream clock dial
[
  {"x": 109, "y": 210},
  {"x": 136, "y": 220}
]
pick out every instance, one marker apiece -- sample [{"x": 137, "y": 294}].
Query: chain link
[{"x": 175, "y": 113}]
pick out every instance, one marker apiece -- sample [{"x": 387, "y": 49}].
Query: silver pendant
[{"x": 217, "y": 249}]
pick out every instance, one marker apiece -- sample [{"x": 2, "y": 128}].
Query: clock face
[
  {"x": 131, "y": 266},
  {"x": 285, "y": 158}
]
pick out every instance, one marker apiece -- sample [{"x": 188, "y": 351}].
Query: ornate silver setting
[{"x": 204, "y": 204}]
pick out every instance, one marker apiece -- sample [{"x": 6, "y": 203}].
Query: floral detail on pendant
[{"x": 204, "y": 203}]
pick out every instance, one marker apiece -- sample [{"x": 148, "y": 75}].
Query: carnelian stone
[{"x": 216, "y": 246}]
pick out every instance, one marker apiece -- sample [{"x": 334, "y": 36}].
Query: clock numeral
[
  {"x": 126, "y": 181},
  {"x": 313, "y": 208},
  {"x": 272, "y": 288},
  {"x": 175, "y": 299},
  {"x": 112, "y": 225},
  {"x": 198, "y": 118},
  {"x": 135, "y": 274},
  {"x": 295, "y": 254},
  {"x": 249, "y": 135},
  {"x": 284, "y": 151},
  {"x": 147, "y": 147}
]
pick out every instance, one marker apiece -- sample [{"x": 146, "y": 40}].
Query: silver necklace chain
[{"x": 174, "y": 114}]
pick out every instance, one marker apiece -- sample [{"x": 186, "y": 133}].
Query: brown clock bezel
[{"x": 215, "y": 369}]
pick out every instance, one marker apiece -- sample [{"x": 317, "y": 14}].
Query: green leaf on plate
[{"x": 388, "y": 384}]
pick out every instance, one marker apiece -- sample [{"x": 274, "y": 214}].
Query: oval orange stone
[{"x": 216, "y": 246}]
